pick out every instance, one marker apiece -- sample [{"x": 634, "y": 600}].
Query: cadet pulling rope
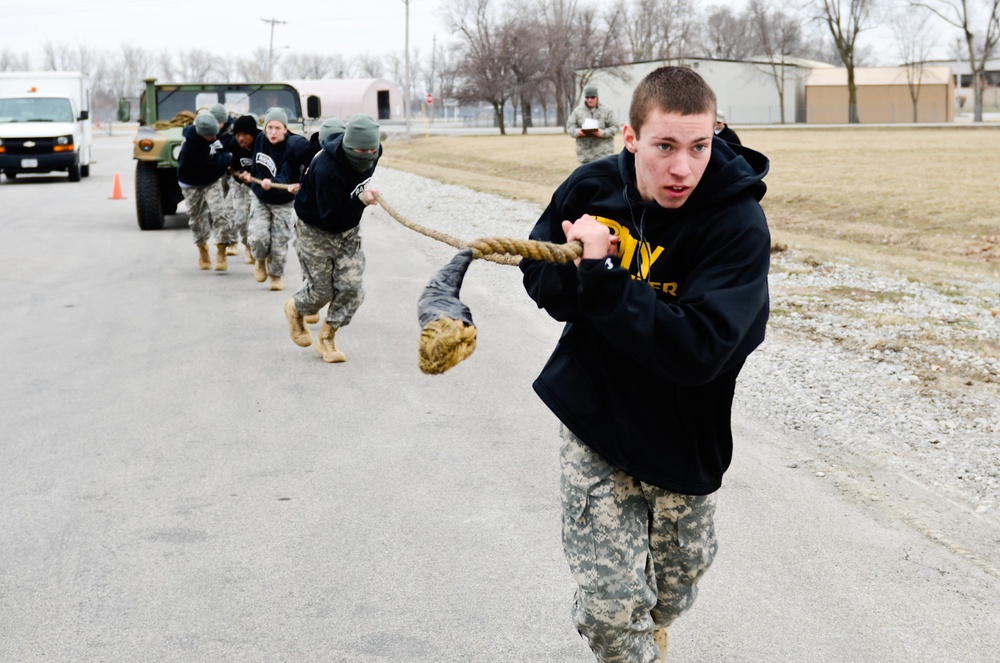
[
  {"x": 448, "y": 334},
  {"x": 501, "y": 250}
]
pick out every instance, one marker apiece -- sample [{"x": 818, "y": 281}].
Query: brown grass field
[{"x": 921, "y": 201}]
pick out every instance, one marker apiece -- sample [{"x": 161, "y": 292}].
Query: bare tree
[
  {"x": 396, "y": 64},
  {"x": 605, "y": 49},
  {"x": 562, "y": 48},
  {"x": 913, "y": 44},
  {"x": 165, "y": 64},
  {"x": 445, "y": 78},
  {"x": 528, "y": 65},
  {"x": 127, "y": 71},
  {"x": 657, "y": 29},
  {"x": 195, "y": 65},
  {"x": 255, "y": 67},
  {"x": 369, "y": 66},
  {"x": 484, "y": 68},
  {"x": 339, "y": 67},
  {"x": 227, "y": 69},
  {"x": 726, "y": 36},
  {"x": 11, "y": 61},
  {"x": 959, "y": 14},
  {"x": 846, "y": 19},
  {"x": 778, "y": 36},
  {"x": 308, "y": 66},
  {"x": 61, "y": 57}
]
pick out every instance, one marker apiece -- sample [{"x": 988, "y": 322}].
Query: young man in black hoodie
[
  {"x": 201, "y": 164},
  {"x": 329, "y": 205},
  {"x": 667, "y": 301}
]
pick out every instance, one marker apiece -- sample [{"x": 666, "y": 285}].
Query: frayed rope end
[{"x": 444, "y": 343}]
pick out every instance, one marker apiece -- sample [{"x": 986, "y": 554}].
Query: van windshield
[{"x": 35, "y": 109}]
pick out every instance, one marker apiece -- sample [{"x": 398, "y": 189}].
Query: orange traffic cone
[{"x": 116, "y": 191}]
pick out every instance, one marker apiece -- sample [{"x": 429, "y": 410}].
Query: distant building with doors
[
  {"x": 991, "y": 81},
  {"x": 746, "y": 90},
  {"x": 343, "y": 97},
  {"x": 884, "y": 95}
]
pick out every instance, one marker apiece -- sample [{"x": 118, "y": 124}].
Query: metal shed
[
  {"x": 343, "y": 97},
  {"x": 883, "y": 95}
]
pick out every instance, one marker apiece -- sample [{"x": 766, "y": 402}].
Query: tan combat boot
[
  {"x": 259, "y": 271},
  {"x": 660, "y": 638},
  {"x": 326, "y": 347},
  {"x": 311, "y": 319},
  {"x": 231, "y": 250},
  {"x": 220, "y": 258},
  {"x": 249, "y": 258},
  {"x": 276, "y": 283},
  {"x": 204, "y": 261},
  {"x": 296, "y": 326}
]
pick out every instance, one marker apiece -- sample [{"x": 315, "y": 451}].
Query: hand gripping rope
[{"x": 448, "y": 335}]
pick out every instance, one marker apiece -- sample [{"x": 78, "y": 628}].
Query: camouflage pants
[
  {"x": 268, "y": 233},
  {"x": 332, "y": 267},
  {"x": 208, "y": 212},
  {"x": 591, "y": 149},
  {"x": 239, "y": 202},
  {"x": 636, "y": 552}
]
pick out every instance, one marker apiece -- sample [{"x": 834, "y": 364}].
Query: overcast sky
[{"x": 346, "y": 27}]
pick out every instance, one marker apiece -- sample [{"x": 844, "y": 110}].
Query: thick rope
[
  {"x": 182, "y": 119},
  {"x": 501, "y": 250},
  {"x": 254, "y": 180}
]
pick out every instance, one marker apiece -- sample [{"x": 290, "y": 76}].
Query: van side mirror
[
  {"x": 313, "y": 107},
  {"x": 124, "y": 110},
  {"x": 84, "y": 115}
]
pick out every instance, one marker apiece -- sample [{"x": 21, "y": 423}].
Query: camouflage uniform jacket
[{"x": 588, "y": 148}]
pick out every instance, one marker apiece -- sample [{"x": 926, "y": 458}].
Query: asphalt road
[{"x": 182, "y": 483}]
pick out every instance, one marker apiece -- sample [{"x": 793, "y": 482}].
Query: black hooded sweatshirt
[
  {"x": 200, "y": 162},
  {"x": 276, "y": 163},
  {"x": 329, "y": 198},
  {"x": 646, "y": 367}
]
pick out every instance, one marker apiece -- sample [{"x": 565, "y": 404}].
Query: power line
[{"x": 270, "y": 47}]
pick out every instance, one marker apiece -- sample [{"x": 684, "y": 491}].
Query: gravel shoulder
[{"x": 890, "y": 388}]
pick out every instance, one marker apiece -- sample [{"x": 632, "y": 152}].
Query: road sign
[{"x": 430, "y": 98}]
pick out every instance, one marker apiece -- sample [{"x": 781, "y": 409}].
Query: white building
[
  {"x": 746, "y": 91},
  {"x": 343, "y": 97}
]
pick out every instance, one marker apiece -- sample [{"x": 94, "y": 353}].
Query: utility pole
[
  {"x": 434, "y": 41},
  {"x": 958, "y": 75},
  {"x": 270, "y": 47},
  {"x": 406, "y": 84}
]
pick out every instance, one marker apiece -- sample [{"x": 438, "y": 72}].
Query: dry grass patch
[{"x": 920, "y": 201}]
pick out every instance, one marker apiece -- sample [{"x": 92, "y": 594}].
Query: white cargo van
[{"x": 45, "y": 123}]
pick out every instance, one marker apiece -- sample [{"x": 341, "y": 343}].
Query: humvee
[{"x": 166, "y": 108}]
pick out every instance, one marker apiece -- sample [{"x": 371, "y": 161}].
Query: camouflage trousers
[
  {"x": 635, "y": 550},
  {"x": 268, "y": 233},
  {"x": 239, "y": 202},
  {"x": 332, "y": 267},
  {"x": 208, "y": 213}
]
